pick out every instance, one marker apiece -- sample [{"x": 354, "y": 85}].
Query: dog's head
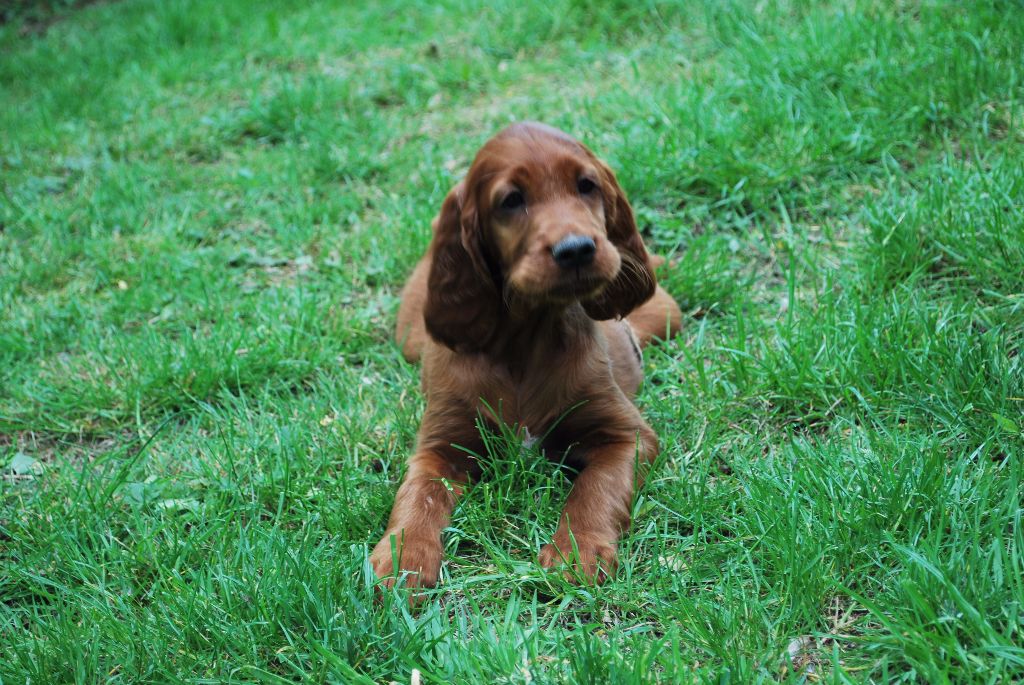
[{"x": 539, "y": 221}]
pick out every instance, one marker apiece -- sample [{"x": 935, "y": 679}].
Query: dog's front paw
[
  {"x": 591, "y": 559},
  {"x": 409, "y": 560}
]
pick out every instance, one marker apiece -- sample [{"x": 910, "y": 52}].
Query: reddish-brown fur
[{"x": 500, "y": 327}]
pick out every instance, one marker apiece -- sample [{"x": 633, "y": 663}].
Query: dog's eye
[
  {"x": 513, "y": 200},
  {"x": 585, "y": 186}
]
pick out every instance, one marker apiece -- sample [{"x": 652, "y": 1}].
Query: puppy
[{"x": 530, "y": 307}]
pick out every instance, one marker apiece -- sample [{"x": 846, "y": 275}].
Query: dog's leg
[
  {"x": 411, "y": 546},
  {"x": 410, "y": 330},
  {"x": 598, "y": 508}
]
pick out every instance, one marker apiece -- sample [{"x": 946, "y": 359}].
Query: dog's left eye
[
  {"x": 513, "y": 200},
  {"x": 585, "y": 186}
]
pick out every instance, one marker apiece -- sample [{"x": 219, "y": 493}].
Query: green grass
[{"x": 208, "y": 209}]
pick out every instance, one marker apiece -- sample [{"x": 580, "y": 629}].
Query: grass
[{"x": 208, "y": 209}]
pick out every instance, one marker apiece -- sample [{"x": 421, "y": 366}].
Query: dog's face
[
  {"x": 538, "y": 221},
  {"x": 541, "y": 206}
]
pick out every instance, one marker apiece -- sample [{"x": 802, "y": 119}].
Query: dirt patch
[
  {"x": 37, "y": 16},
  {"x": 48, "y": 448}
]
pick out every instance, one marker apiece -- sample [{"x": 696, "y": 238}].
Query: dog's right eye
[
  {"x": 585, "y": 186},
  {"x": 513, "y": 200}
]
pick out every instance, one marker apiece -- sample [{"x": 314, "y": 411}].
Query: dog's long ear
[
  {"x": 635, "y": 282},
  {"x": 463, "y": 297}
]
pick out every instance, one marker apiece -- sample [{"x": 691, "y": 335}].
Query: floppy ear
[
  {"x": 463, "y": 300},
  {"x": 635, "y": 282}
]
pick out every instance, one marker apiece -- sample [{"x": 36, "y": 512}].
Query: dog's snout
[{"x": 574, "y": 251}]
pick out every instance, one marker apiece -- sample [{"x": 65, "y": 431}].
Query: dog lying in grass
[{"x": 530, "y": 307}]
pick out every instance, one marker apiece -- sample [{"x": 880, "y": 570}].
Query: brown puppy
[{"x": 517, "y": 309}]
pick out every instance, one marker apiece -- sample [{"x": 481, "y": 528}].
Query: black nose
[{"x": 574, "y": 251}]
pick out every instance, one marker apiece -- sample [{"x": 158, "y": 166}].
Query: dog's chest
[{"x": 533, "y": 400}]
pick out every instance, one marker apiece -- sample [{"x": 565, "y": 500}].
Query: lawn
[{"x": 207, "y": 210}]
